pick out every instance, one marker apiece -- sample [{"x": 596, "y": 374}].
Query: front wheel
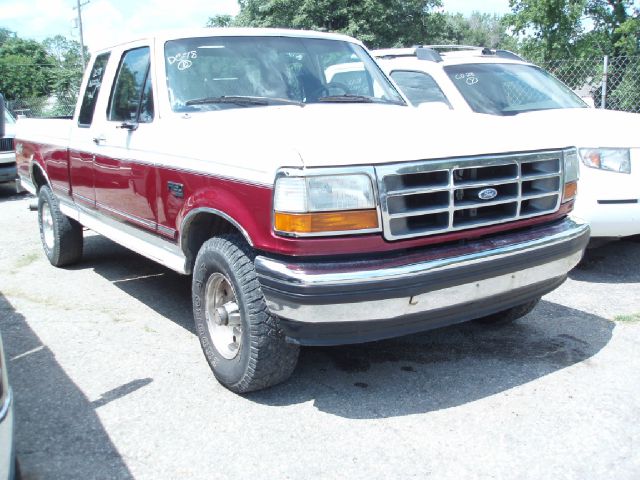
[
  {"x": 240, "y": 338},
  {"x": 61, "y": 236},
  {"x": 509, "y": 315}
]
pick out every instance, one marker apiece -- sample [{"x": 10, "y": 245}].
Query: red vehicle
[{"x": 234, "y": 155}]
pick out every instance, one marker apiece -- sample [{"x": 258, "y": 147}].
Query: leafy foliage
[
  {"x": 32, "y": 70},
  {"x": 25, "y": 68},
  {"x": 68, "y": 66},
  {"x": 555, "y": 29},
  {"x": 479, "y": 29},
  {"x": 376, "y": 22}
]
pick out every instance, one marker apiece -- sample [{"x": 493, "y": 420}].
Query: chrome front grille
[
  {"x": 6, "y": 145},
  {"x": 439, "y": 196}
]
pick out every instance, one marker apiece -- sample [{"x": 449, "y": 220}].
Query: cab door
[
  {"x": 82, "y": 143},
  {"x": 125, "y": 177}
]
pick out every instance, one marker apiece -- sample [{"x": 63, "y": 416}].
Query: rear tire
[
  {"x": 61, "y": 236},
  {"x": 510, "y": 315},
  {"x": 240, "y": 338}
]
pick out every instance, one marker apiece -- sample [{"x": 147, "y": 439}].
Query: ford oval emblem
[{"x": 487, "y": 194}]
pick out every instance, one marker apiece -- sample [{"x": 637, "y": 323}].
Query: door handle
[{"x": 100, "y": 138}]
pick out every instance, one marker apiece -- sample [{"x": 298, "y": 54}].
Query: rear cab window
[{"x": 91, "y": 91}]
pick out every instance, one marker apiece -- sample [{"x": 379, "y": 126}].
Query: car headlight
[
  {"x": 325, "y": 205},
  {"x": 571, "y": 175},
  {"x": 612, "y": 159}
]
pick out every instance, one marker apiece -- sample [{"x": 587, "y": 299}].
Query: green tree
[
  {"x": 479, "y": 29},
  {"x": 550, "y": 29},
  {"x": 614, "y": 24},
  {"x": 220, "y": 21},
  {"x": 557, "y": 29},
  {"x": 378, "y": 23},
  {"x": 26, "y": 70},
  {"x": 5, "y": 35},
  {"x": 67, "y": 74}
]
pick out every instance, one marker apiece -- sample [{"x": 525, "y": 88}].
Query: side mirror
[{"x": 2, "y": 119}]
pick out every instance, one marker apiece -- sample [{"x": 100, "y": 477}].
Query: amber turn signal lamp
[
  {"x": 570, "y": 191},
  {"x": 326, "y": 222}
]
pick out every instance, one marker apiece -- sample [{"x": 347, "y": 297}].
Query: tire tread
[{"x": 271, "y": 359}]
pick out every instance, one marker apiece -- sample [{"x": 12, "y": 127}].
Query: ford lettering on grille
[{"x": 437, "y": 196}]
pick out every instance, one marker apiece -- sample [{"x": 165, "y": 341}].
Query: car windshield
[
  {"x": 509, "y": 89},
  {"x": 215, "y": 73}
]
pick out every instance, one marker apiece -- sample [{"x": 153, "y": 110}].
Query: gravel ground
[{"x": 110, "y": 382}]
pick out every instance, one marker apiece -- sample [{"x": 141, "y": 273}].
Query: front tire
[
  {"x": 509, "y": 315},
  {"x": 240, "y": 338},
  {"x": 61, "y": 236}
]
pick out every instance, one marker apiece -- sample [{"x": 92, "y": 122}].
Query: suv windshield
[
  {"x": 214, "y": 73},
  {"x": 509, "y": 89}
]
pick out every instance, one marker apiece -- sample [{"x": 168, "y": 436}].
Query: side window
[
  {"x": 91, "y": 91},
  {"x": 131, "y": 88},
  {"x": 419, "y": 87}
]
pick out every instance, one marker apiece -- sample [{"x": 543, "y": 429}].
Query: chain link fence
[
  {"x": 611, "y": 82},
  {"x": 41, "y": 107}
]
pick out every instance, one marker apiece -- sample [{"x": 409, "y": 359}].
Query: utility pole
[{"x": 79, "y": 8}]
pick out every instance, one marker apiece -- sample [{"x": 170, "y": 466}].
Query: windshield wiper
[
  {"x": 346, "y": 98},
  {"x": 350, "y": 98},
  {"x": 242, "y": 100}
]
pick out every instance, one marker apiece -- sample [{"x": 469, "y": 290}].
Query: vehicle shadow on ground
[
  {"x": 443, "y": 368},
  {"x": 614, "y": 262},
  {"x": 415, "y": 374},
  {"x": 58, "y": 433},
  {"x": 160, "y": 288}
]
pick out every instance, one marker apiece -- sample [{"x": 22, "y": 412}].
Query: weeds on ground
[{"x": 631, "y": 318}]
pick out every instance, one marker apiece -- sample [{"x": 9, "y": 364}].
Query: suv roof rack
[
  {"x": 435, "y": 53},
  {"x": 422, "y": 53}
]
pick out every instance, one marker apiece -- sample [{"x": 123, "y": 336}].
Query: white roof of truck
[{"x": 165, "y": 35}]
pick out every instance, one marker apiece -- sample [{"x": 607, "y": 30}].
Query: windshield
[
  {"x": 7, "y": 117},
  {"x": 509, "y": 89},
  {"x": 214, "y": 73}
]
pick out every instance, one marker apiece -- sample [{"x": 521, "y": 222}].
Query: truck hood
[
  {"x": 590, "y": 127},
  {"x": 368, "y": 134}
]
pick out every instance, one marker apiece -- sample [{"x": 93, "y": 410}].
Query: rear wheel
[
  {"x": 240, "y": 338},
  {"x": 510, "y": 315},
  {"x": 61, "y": 236}
]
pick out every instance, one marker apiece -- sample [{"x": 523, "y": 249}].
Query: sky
[{"x": 107, "y": 22}]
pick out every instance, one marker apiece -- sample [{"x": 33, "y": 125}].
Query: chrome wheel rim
[
  {"x": 47, "y": 226},
  {"x": 223, "y": 316}
]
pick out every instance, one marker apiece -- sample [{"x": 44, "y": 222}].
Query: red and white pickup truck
[{"x": 307, "y": 212}]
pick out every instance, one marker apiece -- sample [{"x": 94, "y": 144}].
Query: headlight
[
  {"x": 571, "y": 175},
  {"x": 612, "y": 159},
  {"x": 325, "y": 205}
]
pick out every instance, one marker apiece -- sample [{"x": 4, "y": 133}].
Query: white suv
[{"x": 499, "y": 83}]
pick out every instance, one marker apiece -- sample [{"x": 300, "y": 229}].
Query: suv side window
[
  {"x": 419, "y": 87},
  {"x": 131, "y": 96},
  {"x": 92, "y": 89}
]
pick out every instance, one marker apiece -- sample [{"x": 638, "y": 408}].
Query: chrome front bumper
[{"x": 342, "y": 301}]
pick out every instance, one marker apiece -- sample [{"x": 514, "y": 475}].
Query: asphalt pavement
[{"x": 110, "y": 382}]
